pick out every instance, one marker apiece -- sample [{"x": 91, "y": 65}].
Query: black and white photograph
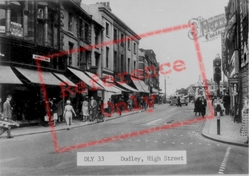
[{"x": 124, "y": 87}]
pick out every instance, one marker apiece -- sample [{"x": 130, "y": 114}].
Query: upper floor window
[
  {"x": 122, "y": 39},
  {"x": 134, "y": 48},
  {"x": 128, "y": 44},
  {"x": 81, "y": 28},
  {"x": 71, "y": 45},
  {"x": 107, "y": 57},
  {"x": 70, "y": 22},
  {"x": 107, "y": 29},
  {"x": 86, "y": 31},
  {"x": 96, "y": 38},
  {"x": 115, "y": 35}
]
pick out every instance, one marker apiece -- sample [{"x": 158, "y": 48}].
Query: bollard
[{"x": 218, "y": 123}]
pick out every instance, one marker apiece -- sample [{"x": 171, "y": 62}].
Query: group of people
[{"x": 200, "y": 106}]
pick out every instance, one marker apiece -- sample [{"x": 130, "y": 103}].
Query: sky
[{"x": 149, "y": 15}]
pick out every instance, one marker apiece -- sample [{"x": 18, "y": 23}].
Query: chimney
[{"x": 108, "y": 6}]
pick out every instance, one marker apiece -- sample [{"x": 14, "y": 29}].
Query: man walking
[
  {"x": 7, "y": 115},
  {"x": 93, "y": 107}
]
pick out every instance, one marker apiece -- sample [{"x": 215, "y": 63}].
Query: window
[
  {"x": 80, "y": 28},
  {"x": 122, "y": 39},
  {"x": 122, "y": 67},
  {"x": 86, "y": 34},
  {"x": 107, "y": 57},
  {"x": 128, "y": 44},
  {"x": 71, "y": 45},
  {"x": 96, "y": 38},
  {"x": 128, "y": 65},
  {"x": 134, "y": 48},
  {"x": 115, "y": 35},
  {"x": 107, "y": 29},
  {"x": 96, "y": 59},
  {"x": 134, "y": 65},
  {"x": 115, "y": 60},
  {"x": 70, "y": 22}
]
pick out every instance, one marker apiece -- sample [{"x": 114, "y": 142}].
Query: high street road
[{"x": 35, "y": 154}]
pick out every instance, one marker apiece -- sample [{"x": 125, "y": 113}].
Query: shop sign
[
  {"x": 41, "y": 58},
  {"x": 209, "y": 28},
  {"x": 231, "y": 22},
  {"x": 16, "y": 29},
  {"x": 234, "y": 63},
  {"x": 2, "y": 29}
]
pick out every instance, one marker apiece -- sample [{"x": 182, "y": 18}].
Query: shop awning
[
  {"x": 155, "y": 90},
  {"x": 144, "y": 86},
  {"x": 124, "y": 90},
  {"x": 65, "y": 79},
  {"x": 82, "y": 76},
  {"x": 7, "y": 76},
  {"x": 127, "y": 87},
  {"x": 139, "y": 87},
  {"x": 33, "y": 76},
  {"x": 107, "y": 86}
]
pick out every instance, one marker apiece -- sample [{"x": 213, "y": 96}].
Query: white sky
[{"x": 148, "y": 15}]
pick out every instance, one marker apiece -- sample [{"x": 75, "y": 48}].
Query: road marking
[
  {"x": 155, "y": 141},
  {"x": 172, "y": 110},
  {"x": 138, "y": 140},
  {"x": 224, "y": 162},
  {"x": 173, "y": 142},
  {"x": 153, "y": 121}
]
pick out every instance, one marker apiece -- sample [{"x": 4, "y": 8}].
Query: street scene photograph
[{"x": 124, "y": 87}]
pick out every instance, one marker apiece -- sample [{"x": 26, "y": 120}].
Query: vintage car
[{"x": 174, "y": 100}]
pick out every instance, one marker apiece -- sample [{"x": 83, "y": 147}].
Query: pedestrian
[
  {"x": 179, "y": 101},
  {"x": 226, "y": 100},
  {"x": 129, "y": 102},
  {"x": 110, "y": 106},
  {"x": 85, "y": 110},
  {"x": 203, "y": 106},
  {"x": 244, "y": 130},
  {"x": 93, "y": 108},
  {"x": 59, "y": 111},
  {"x": 7, "y": 116},
  {"x": 218, "y": 106},
  {"x": 68, "y": 113},
  {"x": 197, "y": 106},
  {"x": 53, "y": 109}
]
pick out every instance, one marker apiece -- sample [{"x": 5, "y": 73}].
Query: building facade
[
  {"x": 119, "y": 45},
  {"x": 30, "y": 36},
  {"x": 236, "y": 56}
]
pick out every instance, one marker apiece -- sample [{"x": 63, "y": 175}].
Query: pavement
[
  {"x": 229, "y": 130},
  {"x": 36, "y": 129}
]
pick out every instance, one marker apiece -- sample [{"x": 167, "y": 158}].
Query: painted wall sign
[{"x": 209, "y": 28}]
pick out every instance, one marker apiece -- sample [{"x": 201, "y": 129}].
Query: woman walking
[
  {"x": 85, "y": 110},
  {"x": 203, "y": 106},
  {"x": 68, "y": 110}
]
